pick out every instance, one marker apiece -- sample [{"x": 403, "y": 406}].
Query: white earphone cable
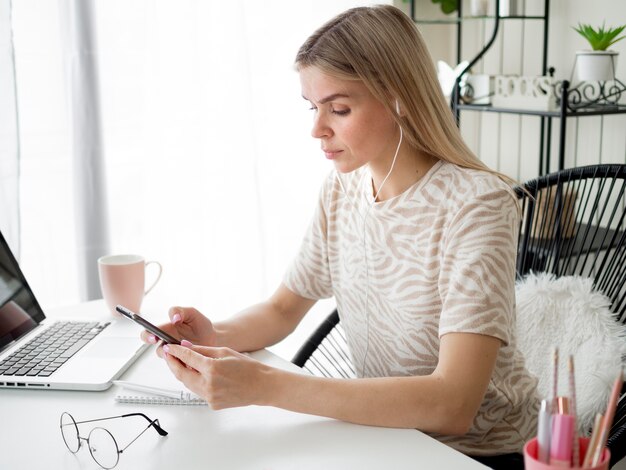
[
  {"x": 366, "y": 303},
  {"x": 367, "y": 312}
]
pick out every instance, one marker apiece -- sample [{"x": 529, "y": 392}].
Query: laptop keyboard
[{"x": 48, "y": 351}]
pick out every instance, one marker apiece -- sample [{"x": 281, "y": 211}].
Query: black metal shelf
[
  {"x": 581, "y": 112},
  {"x": 491, "y": 109},
  {"x": 460, "y": 19},
  {"x": 582, "y": 100}
]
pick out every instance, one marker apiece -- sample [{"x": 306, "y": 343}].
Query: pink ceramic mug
[{"x": 123, "y": 280}]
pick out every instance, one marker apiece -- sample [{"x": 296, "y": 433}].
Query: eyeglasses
[{"x": 102, "y": 445}]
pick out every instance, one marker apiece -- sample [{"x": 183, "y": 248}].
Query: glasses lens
[
  {"x": 103, "y": 448},
  {"x": 69, "y": 432}
]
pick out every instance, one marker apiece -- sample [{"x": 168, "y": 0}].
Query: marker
[{"x": 544, "y": 431}]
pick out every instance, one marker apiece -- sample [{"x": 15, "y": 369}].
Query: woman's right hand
[{"x": 186, "y": 323}]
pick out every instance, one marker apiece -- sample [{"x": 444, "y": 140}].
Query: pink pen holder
[{"x": 531, "y": 462}]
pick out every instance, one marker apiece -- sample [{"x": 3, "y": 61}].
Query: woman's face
[{"x": 353, "y": 127}]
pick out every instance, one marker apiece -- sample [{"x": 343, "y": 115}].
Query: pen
[
  {"x": 572, "y": 387},
  {"x": 607, "y": 422},
  {"x": 555, "y": 376},
  {"x": 595, "y": 436},
  {"x": 179, "y": 394}
]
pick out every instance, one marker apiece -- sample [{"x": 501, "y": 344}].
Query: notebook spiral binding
[{"x": 155, "y": 400}]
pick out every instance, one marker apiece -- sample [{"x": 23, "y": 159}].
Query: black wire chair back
[
  {"x": 325, "y": 353},
  {"x": 573, "y": 223}
]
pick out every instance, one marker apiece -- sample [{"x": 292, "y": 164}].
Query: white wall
[{"x": 510, "y": 143}]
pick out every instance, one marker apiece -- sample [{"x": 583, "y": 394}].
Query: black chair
[
  {"x": 325, "y": 352},
  {"x": 573, "y": 223}
]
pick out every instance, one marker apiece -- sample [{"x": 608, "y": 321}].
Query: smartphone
[{"x": 158, "y": 332}]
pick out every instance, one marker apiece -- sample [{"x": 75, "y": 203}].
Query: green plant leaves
[
  {"x": 447, "y": 6},
  {"x": 599, "y": 39}
]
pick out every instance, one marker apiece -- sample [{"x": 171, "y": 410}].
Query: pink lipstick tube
[{"x": 562, "y": 436}]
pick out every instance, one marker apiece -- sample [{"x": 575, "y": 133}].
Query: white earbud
[{"x": 397, "y": 107}]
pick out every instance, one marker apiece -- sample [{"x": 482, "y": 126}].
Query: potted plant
[{"x": 599, "y": 63}]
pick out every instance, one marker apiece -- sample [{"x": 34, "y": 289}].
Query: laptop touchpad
[{"x": 114, "y": 347}]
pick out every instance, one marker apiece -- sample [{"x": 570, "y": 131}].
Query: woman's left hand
[{"x": 223, "y": 377}]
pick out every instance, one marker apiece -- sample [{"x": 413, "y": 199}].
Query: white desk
[{"x": 241, "y": 438}]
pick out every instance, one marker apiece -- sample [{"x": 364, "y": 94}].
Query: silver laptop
[{"x": 73, "y": 354}]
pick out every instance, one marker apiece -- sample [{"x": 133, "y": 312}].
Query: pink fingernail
[
  {"x": 166, "y": 348},
  {"x": 176, "y": 318},
  {"x": 185, "y": 343},
  {"x": 152, "y": 339}
]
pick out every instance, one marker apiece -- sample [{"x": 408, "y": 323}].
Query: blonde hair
[{"x": 381, "y": 47}]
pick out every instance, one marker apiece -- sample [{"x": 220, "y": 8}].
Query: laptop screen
[{"x": 19, "y": 310}]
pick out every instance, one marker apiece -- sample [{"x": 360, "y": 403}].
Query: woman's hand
[
  {"x": 185, "y": 323},
  {"x": 223, "y": 377}
]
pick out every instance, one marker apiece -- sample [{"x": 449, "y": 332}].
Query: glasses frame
[{"x": 153, "y": 423}]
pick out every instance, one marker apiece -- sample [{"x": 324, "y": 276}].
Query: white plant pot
[
  {"x": 596, "y": 65},
  {"x": 479, "y": 7}
]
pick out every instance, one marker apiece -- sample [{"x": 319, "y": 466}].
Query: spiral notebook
[
  {"x": 149, "y": 395},
  {"x": 145, "y": 399}
]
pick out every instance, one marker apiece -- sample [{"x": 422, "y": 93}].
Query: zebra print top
[{"x": 438, "y": 258}]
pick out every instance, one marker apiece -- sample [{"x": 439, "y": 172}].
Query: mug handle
[{"x": 158, "y": 276}]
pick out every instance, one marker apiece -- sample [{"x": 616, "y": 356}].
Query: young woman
[{"x": 416, "y": 240}]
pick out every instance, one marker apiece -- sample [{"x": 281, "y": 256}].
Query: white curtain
[
  {"x": 210, "y": 166},
  {"x": 9, "y": 135},
  {"x": 80, "y": 60}
]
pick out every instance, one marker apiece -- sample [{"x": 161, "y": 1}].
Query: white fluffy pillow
[{"x": 566, "y": 312}]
